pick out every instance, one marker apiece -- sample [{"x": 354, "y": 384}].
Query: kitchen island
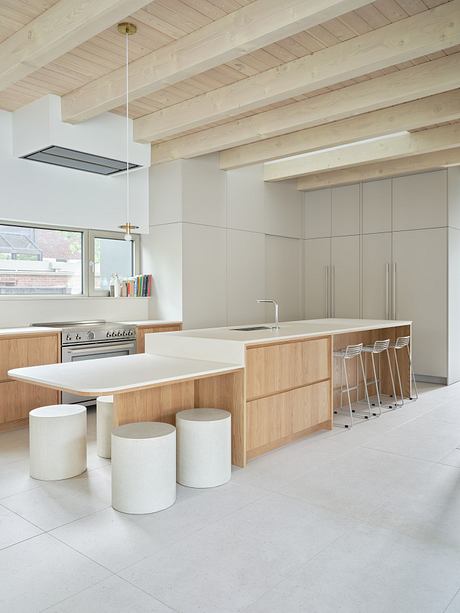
[{"x": 279, "y": 385}]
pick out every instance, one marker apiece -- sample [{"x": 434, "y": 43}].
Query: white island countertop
[
  {"x": 229, "y": 344},
  {"x": 118, "y": 374}
]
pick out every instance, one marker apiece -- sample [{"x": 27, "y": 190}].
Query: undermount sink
[{"x": 251, "y": 328}]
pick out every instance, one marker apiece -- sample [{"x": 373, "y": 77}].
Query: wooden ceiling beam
[
  {"x": 61, "y": 28},
  {"x": 398, "y": 87},
  {"x": 376, "y": 150},
  {"x": 416, "y": 36},
  {"x": 247, "y": 29},
  {"x": 421, "y": 113},
  {"x": 381, "y": 170}
]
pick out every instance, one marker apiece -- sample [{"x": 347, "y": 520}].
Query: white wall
[
  {"x": 224, "y": 225},
  {"x": 40, "y": 193}
]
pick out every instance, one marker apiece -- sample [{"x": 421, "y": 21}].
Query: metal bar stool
[
  {"x": 350, "y": 352},
  {"x": 378, "y": 348},
  {"x": 400, "y": 343}
]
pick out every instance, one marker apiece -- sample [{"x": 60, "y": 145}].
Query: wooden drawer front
[
  {"x": 19, "y": 352},
  {"x": 276, "y": 417},
  {"x": 312, "y": 407},
  {"x": 277, "y": 368},
  {"x": 269, "y": 419},
  {"x": 141, "y": 332},
  {"x": 17, "y": 399}
]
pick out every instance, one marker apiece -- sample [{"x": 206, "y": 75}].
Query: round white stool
[
  {"x": 104, "y": 421},
  {"x": 143, "y": 467},
  {"x": 57, "y": 435},
  {"x": 204, "y": 447}
]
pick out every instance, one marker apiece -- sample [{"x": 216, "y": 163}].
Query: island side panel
[
  {"x": 159, "y": 403},
  {"x": 227, "y": 392},
  {"x": 288, "y": 391}
]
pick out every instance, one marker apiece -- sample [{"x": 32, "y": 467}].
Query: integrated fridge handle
[
  {"x": 326, "y": 290},
  {"x": 394, "y": 291},
  {"x": 387, "y": 291}
]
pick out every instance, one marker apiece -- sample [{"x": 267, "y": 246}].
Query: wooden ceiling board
[{"x": 163, "y": 21}]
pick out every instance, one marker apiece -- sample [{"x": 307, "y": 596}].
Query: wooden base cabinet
[
  {"x": 18, "y": 399},
  {"x": 143, "y": 330},
  {"x": 288, "y": 392}
]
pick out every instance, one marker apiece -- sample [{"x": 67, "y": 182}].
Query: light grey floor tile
[
  {"x": 415, "y": 439},
  {"x": 110, "y": 596},
  {"x": 117, "y": 540},
  {"x": 454, "y": 605},
  {"x": 356, "y": 485},
  {"x": 369, "y": 570},
  {"x": 55, "y": 503},
  {"x": 40, "y": 572},
  {"x": 15, "y": 478},
  {"x": 452, "y": 458},
  {"x": 14, "y": 529}
]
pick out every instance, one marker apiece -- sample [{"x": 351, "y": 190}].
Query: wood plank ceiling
[{"x": 164, "y": 21}]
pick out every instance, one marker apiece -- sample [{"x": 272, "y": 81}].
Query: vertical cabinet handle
[
  {"x": 326, "y": 291},
  {"x": 333, "y": 291},
  {"x": 387, "y": 291},
  {"x": 394, "y": 291}
]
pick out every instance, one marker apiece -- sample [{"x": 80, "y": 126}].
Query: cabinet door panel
[
  {"x": 345, "y": 210},
  {"x": 345, "y": 276},
  {"x": 317, "y": 269},
  {"x": 377, "y": 206},
  {"x": 318, "y": 213},
  {"x": 141, "y": 332},
  {"x": 284, "y": 278},
  {"x": 420, "y": 285},
  {"x": 420, "y": 201},
  {"x": 277, "y": 368},
  {"x": 18, "y": 399},
  {"x": 376, "y": 275},
  {"x": 27, "y": 351}
]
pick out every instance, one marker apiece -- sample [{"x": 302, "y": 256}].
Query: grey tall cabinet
[{"x": 389, "y": 249}]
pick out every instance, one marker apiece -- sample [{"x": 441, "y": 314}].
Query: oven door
[{"x": 93, "y": 351}]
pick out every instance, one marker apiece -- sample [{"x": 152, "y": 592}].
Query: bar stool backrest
[
  {"x": 352, "y": 351},
  {"x": 402, "y": 341},
  {"x": 380, "y": 346}
]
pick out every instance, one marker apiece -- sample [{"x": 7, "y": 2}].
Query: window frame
[
  {"x": 91, "y": 236},
  {"x": 87, "y": 268}
]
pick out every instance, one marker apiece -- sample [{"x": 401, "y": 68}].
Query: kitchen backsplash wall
[{"x": 24, "y": 311}]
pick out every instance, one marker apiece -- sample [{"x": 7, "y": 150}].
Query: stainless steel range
[{"x": 91, "y": 340}]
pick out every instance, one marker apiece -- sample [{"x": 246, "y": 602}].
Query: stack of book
[{"x": 139, "y": 286}]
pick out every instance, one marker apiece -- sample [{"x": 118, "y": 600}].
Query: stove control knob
[
  {"x": 125, "y": 333},
  {"x": 91, "y": 336},
  {"x": 107, "y": 334},
  {"x": 78, "y": 337},
  {"x": 68, "y": 337},
  {"x": 131, "y": 332}
]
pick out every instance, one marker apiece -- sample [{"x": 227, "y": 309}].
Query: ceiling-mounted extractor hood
[
  {"x": 97, "y": 146},
  {"x": 79, "y": 160}
]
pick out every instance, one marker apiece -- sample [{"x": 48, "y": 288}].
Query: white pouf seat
[
  {"x": 143, "y": 467},
  {"x": 57, "y": 435},
  {"x": 204, "y": 447},
  {"x": 104, "y": 424}
]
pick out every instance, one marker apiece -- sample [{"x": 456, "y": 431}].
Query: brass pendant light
[{"x": 127, "y": 29}]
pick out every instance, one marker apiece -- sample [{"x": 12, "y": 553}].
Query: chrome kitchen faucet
[{"x": 277, "y": 311}]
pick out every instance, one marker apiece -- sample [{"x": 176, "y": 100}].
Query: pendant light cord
[{"x": 127, "y": 127}]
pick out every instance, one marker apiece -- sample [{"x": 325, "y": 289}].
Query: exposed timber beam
[
  {"x": 410, "y": 38},
  {"x": 378, "y": 150},
  {"x": 398, "y": 87},
  {"x": 421, "y": 113},
  {"x": 251, "y": 27},
  {"x": 378, "y": 170},
  {"x": 61, "y": 28}
]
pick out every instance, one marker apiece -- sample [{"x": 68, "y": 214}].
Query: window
[
  {"x": 37, "y": 261},
  {"x": 110, "y": 253}
]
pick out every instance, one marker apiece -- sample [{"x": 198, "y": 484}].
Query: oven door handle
[{"x": 100, "y": 349}]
